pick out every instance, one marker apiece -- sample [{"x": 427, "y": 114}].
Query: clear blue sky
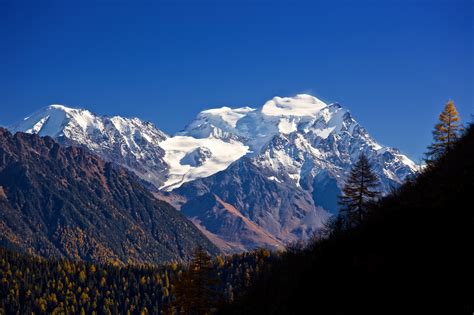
[{"x": 392, "y": 63}]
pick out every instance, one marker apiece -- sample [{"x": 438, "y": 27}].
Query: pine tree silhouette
[{"x": 360, "y": 189}]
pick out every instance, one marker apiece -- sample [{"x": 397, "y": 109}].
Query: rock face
[
  {"x": 66, "y": 202},
  {"x": 281, "y": 166},
  {"x": 259, "y": 211},
  {"x": 196, "y": 157}
]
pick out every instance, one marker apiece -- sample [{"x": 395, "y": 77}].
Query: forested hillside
[
  {"x": 412, "y": 254},
  {"x": 66, "y": 202},
  {"x": 43, "y": 286}
]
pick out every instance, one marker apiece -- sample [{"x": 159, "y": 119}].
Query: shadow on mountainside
[{"x": 413, "y": 254}]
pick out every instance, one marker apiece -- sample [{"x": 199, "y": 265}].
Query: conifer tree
[
  {"x": 204, "y": 277},
  {"x": 360, "y": 189},
  {"x": 195, "y": 291},
  {"x": 446, "y": 132}
]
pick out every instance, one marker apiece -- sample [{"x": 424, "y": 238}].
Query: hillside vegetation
[{"x": 31, "y": 284}]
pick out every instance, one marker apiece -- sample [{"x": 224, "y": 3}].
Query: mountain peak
[
  {"x": 53, "y": 119},
  {"x": 127, "y": 141},
  {"x": 299, "y": 105},
  {"x": 62, "y": 107}
]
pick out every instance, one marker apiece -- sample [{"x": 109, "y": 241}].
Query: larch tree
[
  {"x": 446, "y": 132},
  {"x": 359, "y": 190}
]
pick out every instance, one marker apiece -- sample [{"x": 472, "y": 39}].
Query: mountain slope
[
  {"x": 226, "y": 226},
  {"x": 412, "y": 254},
  {"x": 66, "y": 202},
  {"x": 276, "y": 209}
]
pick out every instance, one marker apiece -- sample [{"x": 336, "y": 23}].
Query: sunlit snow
[
  {"x": 286, "y": 126},
  {"x": 228, "y": 115},
  {"x": 300, "y": 105},
  {"x": 222, "y": 154},
  {"x": 287, "y": 135}
]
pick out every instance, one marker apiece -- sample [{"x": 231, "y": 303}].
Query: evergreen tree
[
  {"x": 446, "y": 132},
  {"x": 196, "y": 290},
  {"x": 360, "y": 189}
]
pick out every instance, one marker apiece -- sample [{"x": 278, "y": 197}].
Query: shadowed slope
[{"x": 66, "y": 202}]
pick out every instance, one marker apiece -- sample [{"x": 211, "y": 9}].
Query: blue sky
[{"x": 392, "y": 63}]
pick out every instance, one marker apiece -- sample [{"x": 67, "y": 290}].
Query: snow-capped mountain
[
  {"x": 294, "y": 138},
  {"x": 129, "y": 142},
  {"x": 300, "y": 152},
  {"x": 247, "y": 177}
]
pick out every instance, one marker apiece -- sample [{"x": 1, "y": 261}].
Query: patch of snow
[
  {"x": 376, "y": 146},
  {"x": 273, "y": 178},
  {"x": 37, "y": 127},
  {"x": 48, "y": 121},
  {"x": 176, "y": 148},
  {"x": 324, "y": 133},
  {"x": 85, "y": 119},
  {"x": 405, "y": 160},
  {"x": 120, "y": 124},
  {"x": 228, "y": 115},
  {"x": 336, "y": 119},
  {"x": 61, "y": 107},
  {"x": 389, "y": 174},
  {"x": 286, "y": 126}
]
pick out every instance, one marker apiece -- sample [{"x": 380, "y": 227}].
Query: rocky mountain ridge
[{"x": 297, "y": 152}]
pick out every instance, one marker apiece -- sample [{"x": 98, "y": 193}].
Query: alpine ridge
[
  {"x": 129, "y": 142},
  {"x": 281, "y": 166}
]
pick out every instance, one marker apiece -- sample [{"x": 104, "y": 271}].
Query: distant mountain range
[
  {"x": 247, "y": 177},
  {"x": 67, "y": 202},
  {"x": 131, "y": 143}
]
